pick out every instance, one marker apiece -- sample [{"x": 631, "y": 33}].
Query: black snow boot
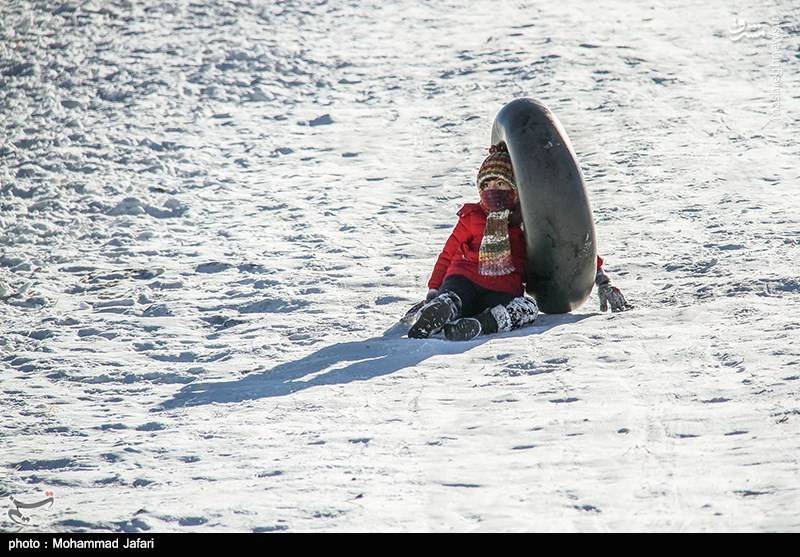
[
  {"x": 435, "y": 314},
  {"x": 468, "y": 328},
  {"x": 465, "y": 328}
]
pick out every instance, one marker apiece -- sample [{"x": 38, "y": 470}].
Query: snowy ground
[{"x": 211, "y": 212}]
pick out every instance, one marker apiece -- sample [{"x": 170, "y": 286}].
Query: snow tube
[{"x": 559, "y": 229}]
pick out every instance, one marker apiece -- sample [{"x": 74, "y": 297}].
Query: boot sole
[
  {"x": 463, "y": 329},
  {"x": 430, "y": 321}
]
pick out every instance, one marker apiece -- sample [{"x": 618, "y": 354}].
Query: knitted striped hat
[{"x": 497, "y": 165}]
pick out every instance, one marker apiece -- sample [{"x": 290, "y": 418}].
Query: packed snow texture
[{"x": 212, "y": 214}]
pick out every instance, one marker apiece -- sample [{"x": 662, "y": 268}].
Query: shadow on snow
[{"x": 342, "y": 363}]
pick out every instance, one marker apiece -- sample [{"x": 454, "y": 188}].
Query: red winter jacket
[{"x": 460, "y": 253}]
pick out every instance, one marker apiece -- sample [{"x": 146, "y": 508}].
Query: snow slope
[{"x": 211, "y": 212}]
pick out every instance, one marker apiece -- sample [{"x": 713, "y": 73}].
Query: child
[{"x": 477, "y": 282}]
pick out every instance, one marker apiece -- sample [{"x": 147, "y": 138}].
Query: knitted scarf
[{"x": 494, "y": 258}]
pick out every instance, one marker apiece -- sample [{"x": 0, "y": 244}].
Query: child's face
[{"x": 496, "y": 183}]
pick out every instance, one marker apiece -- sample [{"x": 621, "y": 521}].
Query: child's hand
[
  {"x": 610, "y": 295},
  {"x": 432, "y": 293}
]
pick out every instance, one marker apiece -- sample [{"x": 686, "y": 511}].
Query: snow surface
[{"x": 211, "y": 212}]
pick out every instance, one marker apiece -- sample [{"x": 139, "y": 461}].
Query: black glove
[{"x": 610, "y": 295}]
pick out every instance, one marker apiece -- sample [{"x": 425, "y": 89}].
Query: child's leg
[
  {"x": 509, "y": 316},
  {"x": 468, "y": 294},
  {"x": 457, "y": 296},
  {"x": 510, "y": 313}
]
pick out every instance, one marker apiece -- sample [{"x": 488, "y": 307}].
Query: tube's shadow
[{"x": 342, "y": 363}]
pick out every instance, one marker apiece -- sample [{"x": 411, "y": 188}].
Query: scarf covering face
[{"x": 494, "y": 258}]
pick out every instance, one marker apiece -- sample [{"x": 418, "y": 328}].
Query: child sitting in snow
[{"x": 477, "y": 283}]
